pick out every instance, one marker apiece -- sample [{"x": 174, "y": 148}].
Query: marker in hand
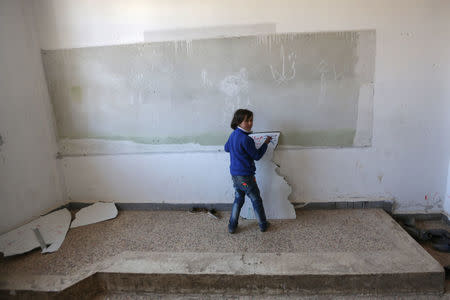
[{"x": 268, "y": 139}]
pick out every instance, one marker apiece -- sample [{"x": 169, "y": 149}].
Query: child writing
[{"x": 243, "y": 154}]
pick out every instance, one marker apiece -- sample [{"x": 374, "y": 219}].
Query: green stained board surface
[{"x": 308, "y": 86}]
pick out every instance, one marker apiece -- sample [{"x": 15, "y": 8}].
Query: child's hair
[{"x": 239, "y": 116}]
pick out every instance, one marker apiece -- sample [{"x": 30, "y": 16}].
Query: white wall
[
  {"x": 411, "y": 145},
  {"x": 30, "y": 182},
  {"x": 447, "y": 194}
]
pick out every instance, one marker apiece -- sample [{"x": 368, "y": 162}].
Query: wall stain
[
  {"x": 76, "y": 94},
  {"x": 432, "y": 201},
  {"x": 2, "y": 156},
  {"x": 206, "y": 139},
  {"x": 338, "y": 137},
  {"x": 380, "y": 178}
]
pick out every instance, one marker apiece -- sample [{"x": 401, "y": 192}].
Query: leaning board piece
[
  {"x": 53, "y": 228},
  {"x": 94, "y": 213},
  {"x": 273, "y": 187},
  {"x": 317, "y": 88}
]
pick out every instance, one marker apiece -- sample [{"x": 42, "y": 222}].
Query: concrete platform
[{"x": 321, "y": 252}]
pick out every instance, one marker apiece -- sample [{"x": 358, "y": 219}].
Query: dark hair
[{"x": 239, "y": 116}]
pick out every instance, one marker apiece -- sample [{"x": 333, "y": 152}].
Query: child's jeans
[{"x": 246, "y": 185}]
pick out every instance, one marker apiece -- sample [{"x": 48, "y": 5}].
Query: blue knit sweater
[{"x": 243, "y": 153}]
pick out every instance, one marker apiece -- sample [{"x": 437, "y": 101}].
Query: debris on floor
[
  {"x": 51, "y": 231},
  {"x": 210, "y": 212},
  {"x": 40, "y": 239},
  {"x": 94, "y": 213},
  {"x": 439, "y": 238}
]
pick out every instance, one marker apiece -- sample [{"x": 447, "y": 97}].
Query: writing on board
[{"x": 260, "y": 137}]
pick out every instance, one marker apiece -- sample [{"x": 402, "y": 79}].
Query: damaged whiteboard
[
  {"x": 52, "y": 228},
  {"x": 94, "y": 213},
  {"x": 273, "y": 187}
]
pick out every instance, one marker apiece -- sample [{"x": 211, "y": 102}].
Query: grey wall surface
[
  {"x": 31, "y": 181},
  {"x": 308, "y": 86}
]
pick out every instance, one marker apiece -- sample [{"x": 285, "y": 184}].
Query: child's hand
[{"x": 268, "y": 139}]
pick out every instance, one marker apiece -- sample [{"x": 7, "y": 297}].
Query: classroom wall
[
  {"x": 30, "y": 182},
  {"x": 447, "y": 194},
  {"x": 407, "y": 162}
]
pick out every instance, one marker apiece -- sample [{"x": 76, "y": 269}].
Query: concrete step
[
  {"x": 138, "y": 296},
  {"x": 324, "y": 252}
]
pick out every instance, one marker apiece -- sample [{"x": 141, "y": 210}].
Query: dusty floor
[
  {"x": 357, "y": 236},
  {"x": 441, "y": 257}
]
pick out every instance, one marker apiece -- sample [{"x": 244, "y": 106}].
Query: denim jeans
[{"x": 246, "y": 185}]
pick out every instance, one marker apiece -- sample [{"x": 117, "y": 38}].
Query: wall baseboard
[
  {"x": 157, "y": 206},
  {"x": 386, "y": 205}
]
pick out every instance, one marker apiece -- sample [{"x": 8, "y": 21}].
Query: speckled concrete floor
[{"x": 339, "y": 242}]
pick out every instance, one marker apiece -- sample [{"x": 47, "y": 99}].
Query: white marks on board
[
  {"x": 188, "y": 47},
  {"x": 235, "y": 88},
  {"x": 327, "y": 72},
  {"x": 285, "y": 71},
  {"x": 284, "y": 74},
  {"x": 179, "y": 46},
  {"x": 176, "y": 46},
  {"x": 206, "y": 82},
  {"x": 337, "y": 75},
  {"x": 323, "y": 70},
  {"x": 234, "y": 85},
  {"x": 275, "y": 39}
]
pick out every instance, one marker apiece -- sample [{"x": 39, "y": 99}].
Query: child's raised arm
[{"x": 250, "y": 148}]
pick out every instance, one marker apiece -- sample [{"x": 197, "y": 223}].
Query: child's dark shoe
[
  {"x": 231, "y": 229},
  {"x": 264, "y": 227}
]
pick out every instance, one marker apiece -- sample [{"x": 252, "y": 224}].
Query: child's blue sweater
[{"x": 243, "y": 153}]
